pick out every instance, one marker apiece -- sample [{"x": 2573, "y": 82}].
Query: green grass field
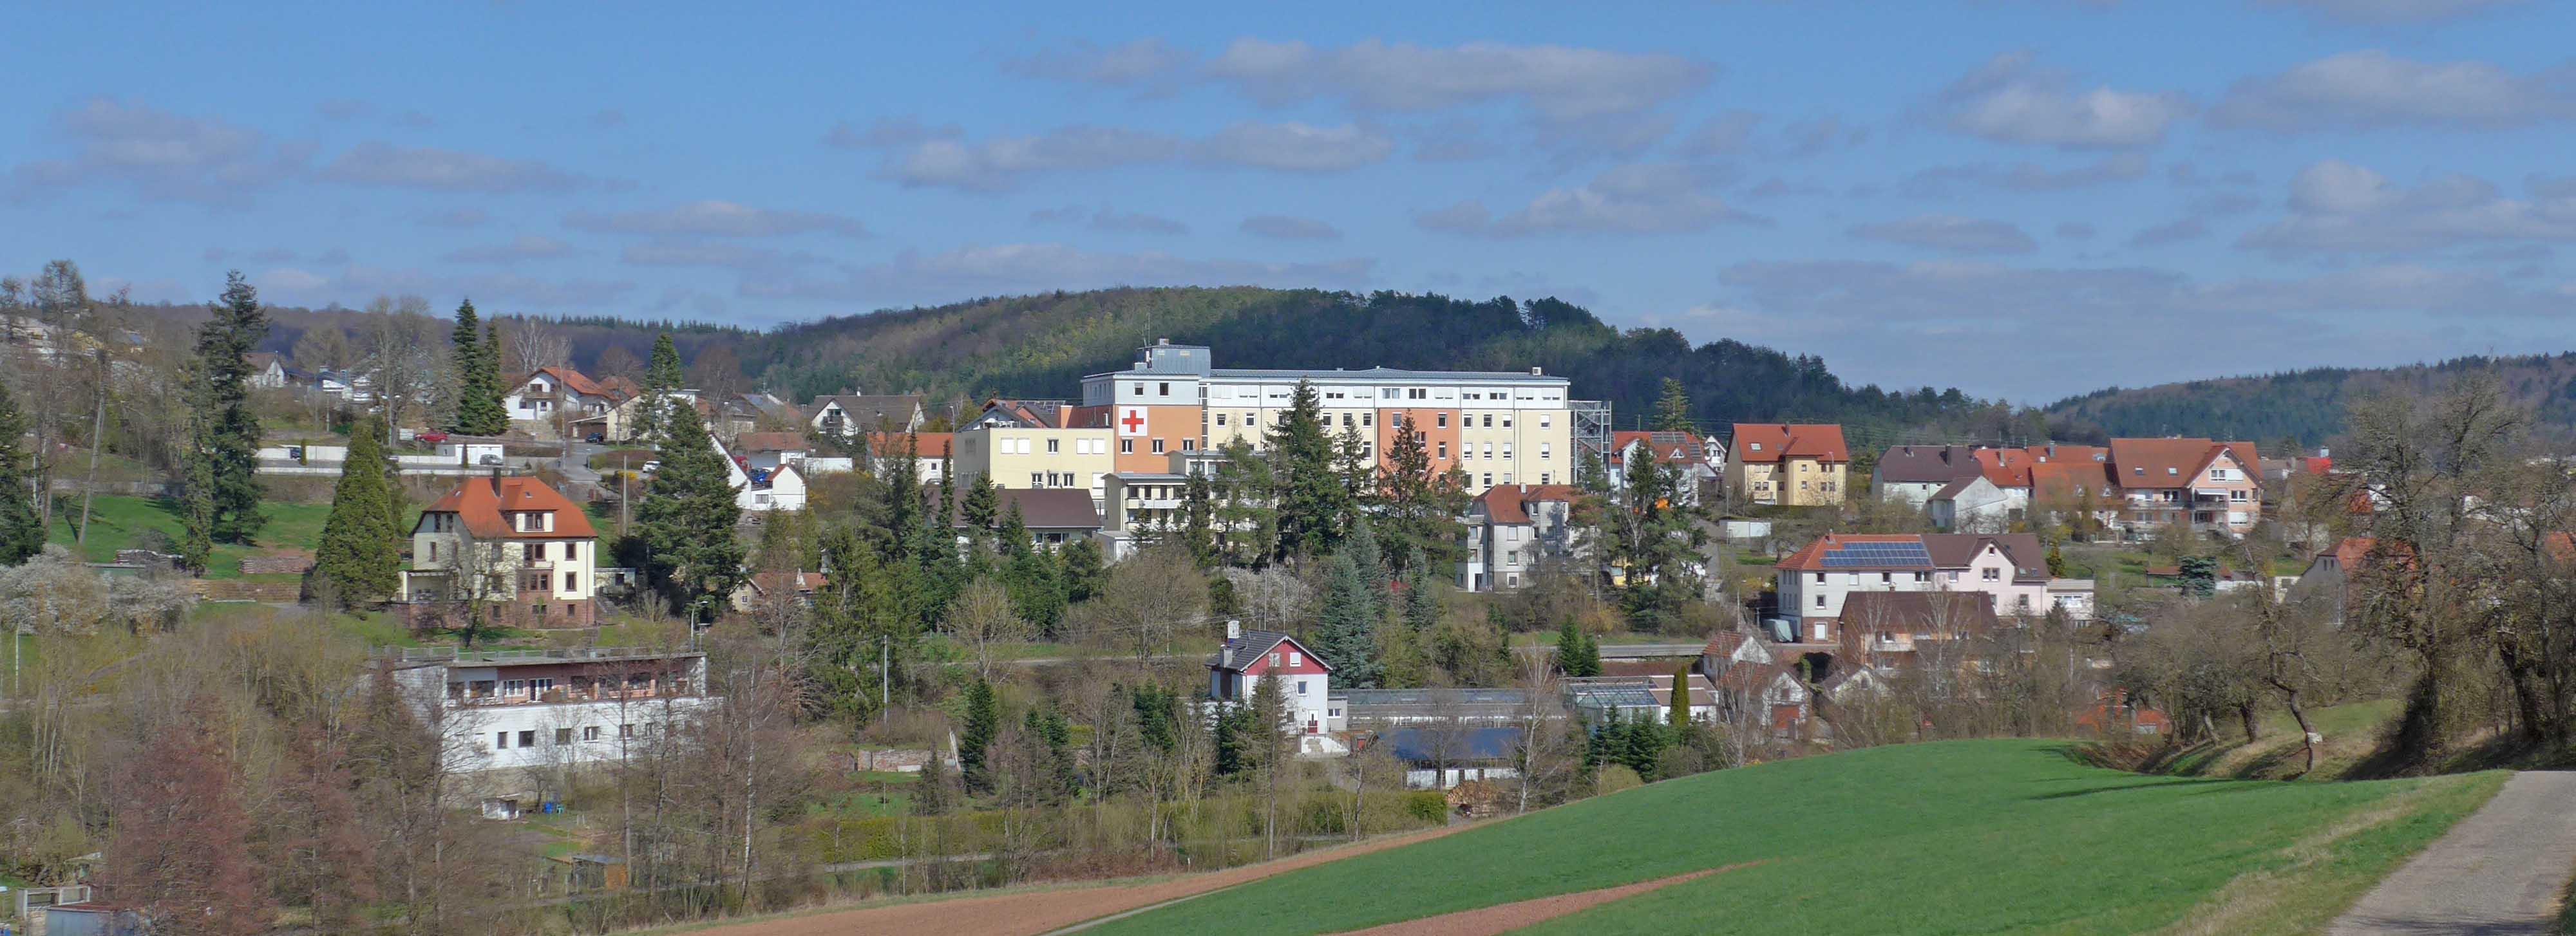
[
  {"x": 1949, "y": 837},
  {"x": 117, "y": 522}
]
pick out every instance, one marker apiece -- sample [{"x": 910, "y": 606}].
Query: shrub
[
  {"x": 1614, "y": 778},
  {"x": 1430, "y": 806}
]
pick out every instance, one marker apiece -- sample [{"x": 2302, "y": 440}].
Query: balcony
[{"x": 492, "y": 699}]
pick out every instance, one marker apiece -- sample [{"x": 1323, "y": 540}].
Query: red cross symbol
[{"x": 1134, "y": 421}]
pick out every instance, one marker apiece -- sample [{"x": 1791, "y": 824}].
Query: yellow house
[
  {"x": 1789, "y": 464},
  {"x": 1026, "y": 445}
]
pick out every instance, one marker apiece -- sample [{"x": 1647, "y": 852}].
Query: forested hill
[
  {"x": 2308, "y": 405},
  {"x": 1040, "y": 346}
]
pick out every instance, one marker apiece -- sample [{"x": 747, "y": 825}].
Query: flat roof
[{"x": 1369, "y": 375}]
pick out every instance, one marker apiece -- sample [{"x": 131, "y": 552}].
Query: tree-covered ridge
[{"x": 2309, "y": 405}]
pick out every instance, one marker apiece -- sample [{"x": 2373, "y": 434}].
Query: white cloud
[
  {"x": 1002, "y": 163},
  {"x": 443, "y": 170},
  {"x": 1637, "y": 199},
  {"x": 1284, "y": 227},
  {"x": 1038, "y": 267},
  {"x": 161, "y": 154},
  {"x": 1105, "y": 218},
  {"x": 2010, "y": 100},
  {"x": 495, "y": 290},
  {"x": 2337, "y": 207},
  {"x": 1554, "y": 82},
  {"x": 715, "y": 218},
  {"x": 1138, "y": 63},
  {"x": 2371, "y": 88},
  {"x": 1950, "y": 233},
  {"x": 2391, "y": 12},
  {"x": 1726, "y": 134},
  {"x": 889, "y": 131},
  {"x": 1940, "y": 181},
  {"x": 523, "y": 247}
]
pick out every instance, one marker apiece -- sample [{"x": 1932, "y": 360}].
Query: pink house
[
  {"x": 1248, "y": 657},
  {"x": 1814, "y": 582}
]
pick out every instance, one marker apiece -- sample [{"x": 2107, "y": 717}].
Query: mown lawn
[
  {"x": 118, "y": 522},
  {"x": 1949, "y": 837}
]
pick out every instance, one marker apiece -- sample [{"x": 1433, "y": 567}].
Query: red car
[{"x": 432, "y": 438}]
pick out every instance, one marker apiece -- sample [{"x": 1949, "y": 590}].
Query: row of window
[
  {"x": 1014, "y": 445},
  {"x": 501, "y": 740}
]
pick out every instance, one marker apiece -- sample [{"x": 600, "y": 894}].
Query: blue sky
[{"x": 2021, "y": 198}]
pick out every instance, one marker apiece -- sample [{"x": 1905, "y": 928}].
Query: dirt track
[
  {"x": 2500, "y": 871},
  {"x": 1034, "y": 912},
  {"x": 1496, "y": 920}
]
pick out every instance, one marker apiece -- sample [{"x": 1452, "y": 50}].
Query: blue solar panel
[{"x": 1877, "y": 554}]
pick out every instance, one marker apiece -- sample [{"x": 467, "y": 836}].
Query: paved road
[{"x": 2498, "y": 872}]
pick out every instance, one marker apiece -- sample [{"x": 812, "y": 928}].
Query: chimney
[
  {"x": 1233, "y": 629},
  {"x": 1534, "y": 372},
  {"x": 496, "y": 481}
]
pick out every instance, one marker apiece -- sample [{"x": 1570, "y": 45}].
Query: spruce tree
[
  {"x": 22, "y": 534},
  {"x": 1680, "y": 714},
  {"x": 223, "y": 456},
  {"x": 1673, "y": 409},
  {"x": 1311, "y": 500},
  {"x": 1346, "y": 625},
  {"x": 359, "y": 554},
  {"x": 1370, "y": 559},
  {"x": 982, "y": 507},
  {"x": 1418, "y": 508},
  {"x": 975, "y": 744},
  {"x": 662, "y": 380},
  {"x": 1569, "y": 649},
  {"x": 1421, "y": 605},
  {"x": 478, "y": 381},
  {"x": 687, "y": 519},
  {"x": 1084, "y": 572}
]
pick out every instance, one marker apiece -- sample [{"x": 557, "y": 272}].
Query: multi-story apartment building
[
  {"x": 1812, "y": 582},
  {"x": 512, "y": 545},
  {"x": 1511, "y": 529},
  {"x": 1023, "y": 444},
  {"x": 1793, "y": 465},
  {"x": 1497, "y": 427},
  {"x": 544, "y": 711},
  {"x": 2205, "y": 485}
]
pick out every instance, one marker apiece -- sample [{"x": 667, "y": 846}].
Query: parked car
[
  {"x": 432, "y": 438},
  {"x": 595, "y": 438},
  {"x": 491, "y": 459}
]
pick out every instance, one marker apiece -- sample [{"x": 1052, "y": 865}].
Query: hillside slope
[
  {"x": 2308, "y": 405},
  {"x": 1948, "y": 837}
]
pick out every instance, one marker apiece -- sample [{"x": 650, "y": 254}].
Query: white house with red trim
[{"x": 1250, "y": 656}]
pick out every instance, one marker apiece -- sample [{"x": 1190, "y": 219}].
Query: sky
[{"x": 2021, "y": 198}]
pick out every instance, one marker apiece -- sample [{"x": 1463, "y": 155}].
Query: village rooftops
[
  {"x": 1927, "y": 464},
  {"x": 480, "y": 503},
  {"x": 1916, "y": 552},
  {"x": 1509, "y": 503},
  {"x": 2172, "y": 463}
]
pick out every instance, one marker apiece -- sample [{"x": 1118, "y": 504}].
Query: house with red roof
[
  {"x": 1511, "y": 529},
  {"x": 1249, "y": 656},
  {"x": 509, "y": 545},
  {"x": 550, "y": 399},
  {"x": 1698, "y": 462},
  {"x": 1790, "y": 464},
  {"x": 2205, "y": 485}
]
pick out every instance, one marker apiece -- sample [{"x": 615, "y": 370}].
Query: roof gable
[
  {"x": 1241, "y": 652},
  {"x": 1771, "y": 442},
  {"x": 1926, "y": 464},
  {"x": 480, "y": 503}
]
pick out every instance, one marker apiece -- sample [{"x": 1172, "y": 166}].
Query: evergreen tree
[
  {"x": 196, "y": 500},
  {"x": 687, "y": 519},
  {"x": 478, "y": 381},
  {"x": 662, "y": 379},
  {"x": 1346, "y": 625},
  {"x": 1591, "y": 655},
  {"x": 981, "y": 508},
  {"x": 1681, "y": 702},
  {"x": 223, "y": 453},
  {"x": 1643, "y": 745},
  {"x": 359, "y": 552},
  {"x": 1084, "y": 572},
  {"x": 1247, "y": 517},
  {"x": 1421, "y": 604},
  {"x": 1569, "y": 649},
  {"x": 1036, "y": 587},
  {"x": 2199, "y": 576},
  {"x": 1011, "y": 535},
  {"x": 1673, "y": 408},
  {"x": 1309, "y": 498},
  {"x": 2056, "y": 561},
  {"x": 22, "y": 534},
  {"x": 975, "y": 745},
  {"x": 1367, "y": 557},
  {"x": 1418, "y": 508}
]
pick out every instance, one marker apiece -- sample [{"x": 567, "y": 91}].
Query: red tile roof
[
  {"x": 2007, "y": 468},
  {"x": 2066, "y": 478},
  {"x": 1764, "y": 443},
  {"x": 2172, "y": 463},
  {"x": 1509, "y": 503},
  {"x": 1811, "y": 557},
  {"x": 479, "y": 504},
  {"x": 792, "y": 581},
  {"x": 930, "y": 444},
  {"x": 571, "y": 379},
  {"x": 1668, "y": 448}
]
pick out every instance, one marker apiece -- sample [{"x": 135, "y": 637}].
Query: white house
[
  {"x": 1970, "y": 505},
  {"x": 1248, "y": 657},
  {"x": 267, "y": 370},
  {"x": 541, "y": 710},
  {"x": 1812, "y": 582},
  {"x": 1913, "y": 473},
  {"x": 514, "y": 543}
]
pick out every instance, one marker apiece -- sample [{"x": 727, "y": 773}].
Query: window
[
  {"x": 1544, "y": 476},
  {"x": 2237, "y": 495},
  {"x": 1544, "y": 421},
  {"x": 1158, "y": 446},
  {"x": 1885, "y": 578},
  {"x": 1507, "y": 450},
  {"x": 1444, "y": 449},
  {"x": 1820, "y": 601},
  {"x": 1992, "y": 575},
  {"x": 1755, "y": 446},
  {"x": 1274, "y": 658},
  {"x": 1037, "y": 479},
  {"x": 1489, "y": 420},
  {"x": 533, "y": 552},
  {"x": 1507, "y": 423},
  {"x": 2218, "y": 474},
  {"x": 528, "y": 738},
  {"x": 1820, "y": 633},
  {"x": 1543, "y": 451},
  {"x": 1368, "y": 419},
  {"x": 1301, "y": 687},
  {"x": 1189, "y": 445},
  {"x": 1489, "y": 450},
  {"x": 1052, "y": 446},
  {"x": 501, "y": 740},
  {"x": 1441, "y": 420},
  {"x": 626, "y": 730},
  {"x": 563, "y": 736},
  {"x": 1162, "y": 389},
  {"x": 1297, "y": 659},
  {"x": 1220, "y": 419},
  {"x": 1346, "y": 420},
  {"x": 1417, "y": 393},
  {"x": 590, "y": 733},
  {"x": 568, "y": 583},
  {"x": 1126, "y": 446},
  {"x": 1922, "y": 576},
  {"x": 1489, "y": 479},
  {"x": 1820, "y": 578}
]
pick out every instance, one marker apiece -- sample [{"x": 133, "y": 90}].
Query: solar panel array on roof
[
  {"x": 1606, "y": 697},
  {"x": 1877, "y": 554}
]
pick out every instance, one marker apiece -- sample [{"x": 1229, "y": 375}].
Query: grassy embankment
[
  {"x": 1949, "y": 837},
  {"x": 119, "y": 522}
]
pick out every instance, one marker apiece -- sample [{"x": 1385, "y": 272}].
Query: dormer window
[{"x": 1757, "y": 446}]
